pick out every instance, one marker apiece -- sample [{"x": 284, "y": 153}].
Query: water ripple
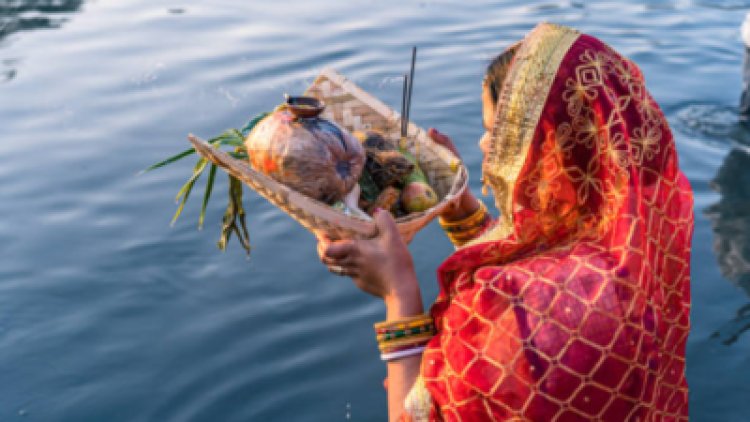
[{"x": 110, "y": 314}]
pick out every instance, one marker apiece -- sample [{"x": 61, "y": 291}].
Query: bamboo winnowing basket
[{"x": 354, "y": 109}]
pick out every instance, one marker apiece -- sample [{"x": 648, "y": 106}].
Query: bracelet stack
[
  {"x": 404, "y": 337},
  {"x": 461, "y": 231}
]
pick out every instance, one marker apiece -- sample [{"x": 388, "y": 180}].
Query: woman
[{"x": 574, "y": 304}]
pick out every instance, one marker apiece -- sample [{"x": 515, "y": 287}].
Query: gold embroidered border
[{"x": 518, "y": 109}]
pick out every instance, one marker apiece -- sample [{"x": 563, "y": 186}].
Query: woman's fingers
[
  {"x": 322, "y": 246},
  {"x": 386, "y": 224},
  {"x": 340, "y": 249},
  {"x": 443, "y": 140},
  {"x": 347, "y": 261}
]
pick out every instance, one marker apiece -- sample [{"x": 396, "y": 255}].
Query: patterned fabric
[{"x": 576, "y": 305}]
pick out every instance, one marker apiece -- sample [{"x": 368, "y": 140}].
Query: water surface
[{"x": 108, "y": 314}]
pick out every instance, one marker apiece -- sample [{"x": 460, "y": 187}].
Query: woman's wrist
[
  {"x": 405, "y": 300},
  {"x": 466, "y": 205}
]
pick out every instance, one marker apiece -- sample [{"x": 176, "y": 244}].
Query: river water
[{"x": 108, "y": 314}]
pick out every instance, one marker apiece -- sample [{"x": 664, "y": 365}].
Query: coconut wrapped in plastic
[{"x": 310, "y": 154}]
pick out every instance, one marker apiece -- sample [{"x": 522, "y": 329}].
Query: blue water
[{"x": 108, "y": 314}]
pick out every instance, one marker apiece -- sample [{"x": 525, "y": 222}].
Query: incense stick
[
  {"x": 411, "y": 87},
  {"x": 403, "y": 106}
]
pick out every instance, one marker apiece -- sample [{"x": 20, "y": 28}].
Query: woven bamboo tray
[{"x": 354, "y": 109}]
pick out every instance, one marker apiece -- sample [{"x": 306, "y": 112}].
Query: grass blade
[
  {"x": 169, "y": 160},
  {"x": 187, "y": 187},
  {"x": 227, "y": 222},
  {"x": 197, "y": 170},
  {"x": 231, "y": 137},
  {"x": 244, "y": 235},
  {"x": 207, "y": 194},
  {"x": 234, "y": 213}
]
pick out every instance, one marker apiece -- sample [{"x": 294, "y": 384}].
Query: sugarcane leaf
[
  {"x": 231, "y": 137},
  {"x": 227, "y": 219},
  {"x": 224, "y": 238},
  {"x": 238, "y": 155},
  {"x": 244, "y": 235},
  {"x": 233, "y": 220},
  {"x": 169, "y": 160},
  {"x": 207, "y": 194},
  {"x": 197, "y": 170},
  {"x": 185, "y": 191},
  {"x": 251, "y": 124}
]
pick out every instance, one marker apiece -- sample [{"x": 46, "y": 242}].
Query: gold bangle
[
  {"x": 461, "y": 231},
  {"x": 403, "y": 322},
  {"x": 472, "y": 220}
]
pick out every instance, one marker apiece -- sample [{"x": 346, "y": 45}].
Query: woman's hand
[
  {"x": 381, "y": 266},
  {"x": 443, "y": 139},
  {"x": 467, "y": 203}
]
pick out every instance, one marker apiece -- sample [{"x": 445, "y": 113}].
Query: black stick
[
  {"x": 411, "y": 86},
  {"x": 403, "y": 106}
]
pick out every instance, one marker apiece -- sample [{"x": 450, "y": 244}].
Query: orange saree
[{"x": 575, "y": 306}]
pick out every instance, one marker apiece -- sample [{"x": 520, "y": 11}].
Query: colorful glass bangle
[
  {"x": 388, "y": 357},
  {"x": 405, "y": 341},
  {"x": 408, "y": 346},
  {"x": 404, "y": 327},
  {"x": 396, "y": 334},
  {"x": 402, "y": 323}
]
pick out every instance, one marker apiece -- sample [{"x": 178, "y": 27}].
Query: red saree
[{"x": 576, "y": 305}]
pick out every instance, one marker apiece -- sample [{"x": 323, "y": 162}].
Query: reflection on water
[
  {"x": 711, "y": 121},
  {"x": 28, "y": 15},
  {"x": 730, "y": 218},
  {"x": 20, "y": 15}
]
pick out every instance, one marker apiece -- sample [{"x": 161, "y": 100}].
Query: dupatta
[{"x": 575, "y": 306}]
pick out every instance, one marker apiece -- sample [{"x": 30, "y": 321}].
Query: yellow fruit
[{"x": 418, "y": 196}]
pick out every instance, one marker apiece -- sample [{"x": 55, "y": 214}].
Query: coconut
[{"x": 311, "y": 155}]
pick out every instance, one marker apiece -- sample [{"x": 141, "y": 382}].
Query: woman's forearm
[{"x": 402, "y": 373}]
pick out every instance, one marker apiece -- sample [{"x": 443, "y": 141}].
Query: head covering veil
[{"x": 575, "y": 306}]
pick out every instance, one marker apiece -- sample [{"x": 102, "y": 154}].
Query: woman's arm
[
  {"x": 383, "y": 267},
  {"x": 402, "y": 373}
]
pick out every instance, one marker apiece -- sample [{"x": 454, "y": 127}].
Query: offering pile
[{"x": 329, "y": 159}]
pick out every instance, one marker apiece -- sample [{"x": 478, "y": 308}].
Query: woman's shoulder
[{"x": 557, "y": 261}]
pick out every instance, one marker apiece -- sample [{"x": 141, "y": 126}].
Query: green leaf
[
  {"x": 233, "y": 220},
  {"x": 169, "y": 160},
  {"x": 197, "y": 170},
  {"x": 238, "y": 155},
  {"x": 251, "y": 124},
  {"x": 234, "y": 213},
  {"x": 231, "y": 137},
  {"x": 188, "y": 186},
  {"x": 244, "y": 235},
  {"x": 207, "y": 194}
]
